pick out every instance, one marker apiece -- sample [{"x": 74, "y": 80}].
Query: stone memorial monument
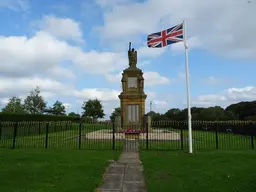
[{"x": 132, "y": 97}]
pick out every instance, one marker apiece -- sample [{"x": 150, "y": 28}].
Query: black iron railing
[{"x": 160, "y": 135}]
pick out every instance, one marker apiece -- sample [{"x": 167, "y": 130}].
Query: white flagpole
[{"x": 188, "y": 89}]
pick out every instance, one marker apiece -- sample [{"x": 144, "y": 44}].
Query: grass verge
[
  {"x": 207, "y": 171},
  {"x": 52, "y": 170}
]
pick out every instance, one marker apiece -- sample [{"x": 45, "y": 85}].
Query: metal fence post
[
  {"x": 66, "y": 127},
  {"x": 29, "y": 127},
  {"x": 113, "y": 136},
  {"x": 80, "y": 135},
  {"x": 54, "y": 128},
  {"x": 14, "y": 134},
  {"x": 252, "y": 137},
  {"x": 181, "y": 136},
  {"x": 46, "y": 135},
  {"x": 39, "y": 128},
  {"x": 147, "y": 135},
  {"x": 0, "y": 130},
  {"x": 216, "y": 135}
]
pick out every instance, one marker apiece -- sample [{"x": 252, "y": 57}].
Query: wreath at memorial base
[{"x": 132, "y": 131}]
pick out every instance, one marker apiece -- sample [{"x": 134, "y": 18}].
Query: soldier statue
[{"x": 132, "y": 55}]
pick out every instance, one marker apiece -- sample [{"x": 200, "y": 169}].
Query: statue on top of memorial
[{"x": 132, "y": 55}]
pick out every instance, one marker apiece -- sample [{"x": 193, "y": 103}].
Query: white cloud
[
  {"x": 100, "y": 62},
  {"x": 21, "y": 56},
  {"x": 62, "y": 27},
  {"x": 61, "y": 72},
  {"x": 114, "y": 77},
  {"x": 231, "y": 95},
  {"x": 150, "y": 52},
  {"x": 21, "y": 86},
  {"x": 144, "y": 63},
  {"x": 245, "y": 93},
  {"x": 101, "y": 94},
  {"x": 211, "y": 25},
  {"x": 4, "y": 101},
  {"x": 43, "y": 54},
  {"x": 160, "y": 104},
  {"x": 209, "y": 100},
  {"x": 67, "y": 105},
  {"x": 154, "y": 78},
  {"x": 192, "y": 43}
]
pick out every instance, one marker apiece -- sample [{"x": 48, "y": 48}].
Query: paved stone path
[{"x": 125, "y": 175}]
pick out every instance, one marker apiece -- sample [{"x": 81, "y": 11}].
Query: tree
[
  {"x": 34, "y": 102},
  {"x": 73, "y": 114},
  {"x": 156, "y": 116},
  {"x": 93, "y": 109},
  {"x": 14, "y": 106},
  {"x": 213, "y": 114},
  {"x": 171, "y": 114},
  {"x": 58, "y": 108},
  {"x": 116, "y": 112},
  {"x": 243, "y": 110}
]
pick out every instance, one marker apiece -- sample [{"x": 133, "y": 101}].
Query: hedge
[{"x": 36, "y": 117}]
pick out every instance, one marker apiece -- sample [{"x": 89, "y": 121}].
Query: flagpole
[{"x": 188, "y": 88}]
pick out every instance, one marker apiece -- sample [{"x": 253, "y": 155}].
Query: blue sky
[{"x": 76, "y": 50}]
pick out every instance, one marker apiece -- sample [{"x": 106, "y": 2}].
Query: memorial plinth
[{"x": 132, "y": 97}]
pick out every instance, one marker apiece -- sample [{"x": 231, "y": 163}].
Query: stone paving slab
[
  {"x": 125, "y": 175},
  {"x": 116, "y": 169},
  {"x": 111, "y": 186},
  {"x": 108, "y": 190},
  {"x": 133, "y": 187},
  {"x": 133, "y": 174},
  {"x": 114, "y": 177}
]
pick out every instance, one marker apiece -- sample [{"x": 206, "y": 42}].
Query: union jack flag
[{"x": 166, "y": 37}]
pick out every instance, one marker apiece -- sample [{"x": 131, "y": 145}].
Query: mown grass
[
  {"x": 33, "y": 170},
  {"x": 204, "y": 171}
]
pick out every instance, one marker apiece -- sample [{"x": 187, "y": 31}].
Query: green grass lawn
[
  {"x": 207, "y": 171},
  {"x": 52, "y": 170}
]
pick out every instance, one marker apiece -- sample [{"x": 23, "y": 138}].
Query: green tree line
[
  {"x": 237, "y": 111},
  {"x": 35, "y": 104}
]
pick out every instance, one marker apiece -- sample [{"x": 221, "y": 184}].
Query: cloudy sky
[{"x": 76, "y": 50}]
